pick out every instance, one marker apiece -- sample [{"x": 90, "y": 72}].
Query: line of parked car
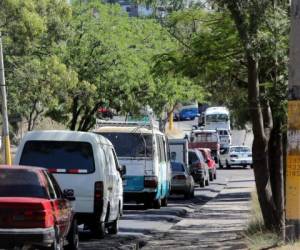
[{"x": 96, "y": 172}]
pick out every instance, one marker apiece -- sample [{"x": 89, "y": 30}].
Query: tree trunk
[
  {"x": 260, "y": 147},
  {"x": 276, "y": 175},
  {"x": 75, "y": 113}
]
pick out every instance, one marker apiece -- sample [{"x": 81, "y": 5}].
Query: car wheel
[
  {"x": 73, "y": 237},
  {"x": 227, "y": 164},
  {"x": 193, "y": 193},
  {"x": 164, "y": 202},
  {"x": 202, "y": 183},
  {"x": 211, "y": 177},
  {"x": 148, "y": 204},
  {"x": 157, "y": 204},
  {"x": 114, "y": 227},
  {"x": 98, "y": 230}
]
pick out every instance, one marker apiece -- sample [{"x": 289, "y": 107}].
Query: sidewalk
[{"x": 216, "y": 225}]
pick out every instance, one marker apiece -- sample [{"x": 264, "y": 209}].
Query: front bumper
[
  {"x": 239, "y": 162},
  {"x": 18, "y": 237}
]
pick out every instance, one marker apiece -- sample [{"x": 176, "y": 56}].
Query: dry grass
[
  {"x": 256, "y": 235},
  {"x": 258, "y": 238}
]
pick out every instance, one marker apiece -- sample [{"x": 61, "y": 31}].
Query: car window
[
  {"x": 21, "y": 183},
  {"x": 55, "y": 186},
  {"x": 177, "y": 167},
  {"x": 200, "y": 156},
  {"x": 130, "y": 144},
  {"x": 111, "y": 162},
  {"x": 240, "y": 150},
  {"x": 50, "y": 188},
  {"x": 192, "y": 157},
  {"x": 66, "y": 155}
]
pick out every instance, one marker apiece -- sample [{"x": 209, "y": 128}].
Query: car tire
[
  {"x": 211, "y": 177},
  {"x": 157, "y": 204},
  {"x": 193, "y": 193},
  {"x": 98, "y": 230},
  {"x": 148, "y": 204},
  {"x": 114, "y": 226},
  {"x": 73, "y": 237},
  {"x": 207, "y": 181},
  {"x": 202, "y": 183},
  {"x": 164, "y": 201},
  {"x": 227, "y": 165}
]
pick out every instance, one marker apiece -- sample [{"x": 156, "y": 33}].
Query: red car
[
  {"x": 34, "y": 211},
  {"x": 212, "y": 166}
]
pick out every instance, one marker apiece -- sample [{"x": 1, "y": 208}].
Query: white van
[
  {"x": 145, "y": 153},
  {"x": 85, "y": 163}
]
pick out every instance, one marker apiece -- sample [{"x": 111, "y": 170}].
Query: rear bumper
[
  {"x": 179, "y": 189},
  {"x": 198, "y": 175},
  {"x": 139, "y": 196},
  {"x": 37, "y": 236}
]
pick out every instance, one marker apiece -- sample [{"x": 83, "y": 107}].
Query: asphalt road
[{"x": 138, "y": 225}]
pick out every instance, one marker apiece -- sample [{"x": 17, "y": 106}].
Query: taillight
[
  {"x": 38, "y": 215},
  {"x": 98, "y": 190},
  {"x": 179, "y": 177},
  {"x": 150, "y": 182}
]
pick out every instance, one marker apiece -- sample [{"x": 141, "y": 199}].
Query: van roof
[
  {"x": 66, "y": 135},
  {"x": 217, "y": 110},
  {"x": 124, "y": 129}
]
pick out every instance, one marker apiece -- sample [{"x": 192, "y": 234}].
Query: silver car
[{"x": 182, "y": 181}]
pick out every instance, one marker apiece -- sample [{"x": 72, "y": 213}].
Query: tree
[
  {"x": 33, "y": 31},
  {"x": 112, "y": 55},
  {"x": 241, "y": 47}
]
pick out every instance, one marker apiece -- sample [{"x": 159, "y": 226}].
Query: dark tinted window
[
  {"x": 58, "y": 155},
  {"x": 131, "y": 144},
  {"x": 21, "y": 183},
  {"x": 177, "y": 167},
  {"x": 193, "y": 157}
]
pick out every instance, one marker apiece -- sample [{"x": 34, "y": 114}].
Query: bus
[
  {"x": 217, "y": 118},
  {"x": 145, "y": 153}
]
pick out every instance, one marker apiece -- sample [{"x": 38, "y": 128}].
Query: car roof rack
[{"x": 145, "y": 124}]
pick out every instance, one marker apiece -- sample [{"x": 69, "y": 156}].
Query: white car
[
  {"x": 236, "y": 156},
  {"x": 84, "y": 163}
]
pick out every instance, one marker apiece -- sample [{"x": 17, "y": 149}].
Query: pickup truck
[{"x": 206, "y": 139}]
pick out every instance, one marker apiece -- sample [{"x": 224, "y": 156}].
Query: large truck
[{"x": 203, "y": 138}]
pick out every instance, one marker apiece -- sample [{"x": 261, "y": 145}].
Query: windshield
[
  {"x": 131, "y": 144},
  {"x": 177, "y": 167},
  {"x": 59, "y": 155},
  {"x": 20, "y": 183},
  {"x": 206, "y": 137},
  {"x": 240, "y": 150},
  {"x": 217, "y": 118}
]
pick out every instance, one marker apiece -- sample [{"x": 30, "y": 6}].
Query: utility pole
[
  {"x": 293, "y": 149},
  {"x": 4, "y": 108}
]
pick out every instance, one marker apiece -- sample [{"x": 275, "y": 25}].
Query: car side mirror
[
  {"x": 122, "y": 170},
  {"x": 68, "y": 194}
]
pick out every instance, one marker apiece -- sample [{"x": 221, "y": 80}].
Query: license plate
[{"x": 244, "y": 161}]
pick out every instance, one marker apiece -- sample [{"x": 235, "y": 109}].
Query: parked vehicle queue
[{"x": 86, "y": 166}]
